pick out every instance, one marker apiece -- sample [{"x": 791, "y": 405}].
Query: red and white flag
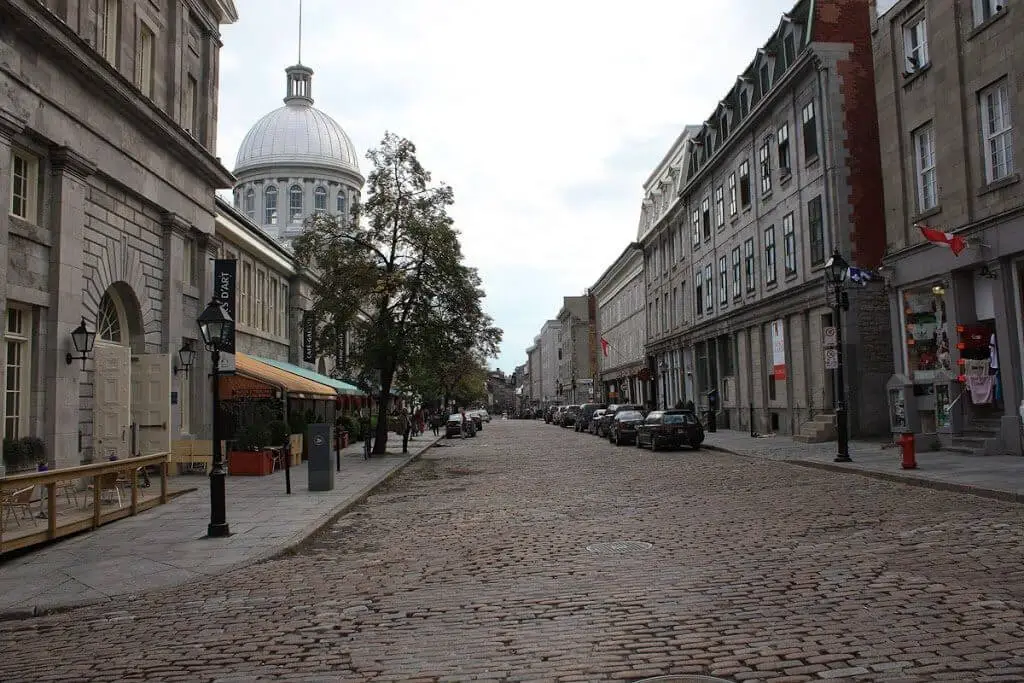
[
  {"x": 604, "y": 346},
  {"x": 945, "y": 239}
]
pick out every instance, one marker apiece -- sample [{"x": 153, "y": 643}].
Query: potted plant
[{"x": 247, "y": 457}]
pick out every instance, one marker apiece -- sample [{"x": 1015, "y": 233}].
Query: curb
[
  {"x": 981, "y": 492},
  {"x": 291, "y": 547}
]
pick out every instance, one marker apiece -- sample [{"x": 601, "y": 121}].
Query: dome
[{"x": 297, "y": 134}]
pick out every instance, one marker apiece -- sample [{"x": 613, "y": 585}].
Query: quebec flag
[{"x": 861, "y": 276}]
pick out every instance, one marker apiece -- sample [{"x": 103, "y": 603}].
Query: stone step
[{"x": 965, "y": 450}]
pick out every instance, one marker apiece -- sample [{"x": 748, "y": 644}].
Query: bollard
[
  {"x": 288, "y": 467},
  {"x": 909, "y": 455},
  {"x": 337, "y": 448}
]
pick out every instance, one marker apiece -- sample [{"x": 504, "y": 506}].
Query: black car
[
  {"x": 670, "y": 428},
  {"x": 623, "y": 426},
  {"x": 454, "y": 426},
  {"x": 587, "y": 411},
  {"x": 604, "y": 426},
  {"x": 569, "y": 416}
]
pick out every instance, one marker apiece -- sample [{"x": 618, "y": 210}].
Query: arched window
[
  {"x": 270, "y": 199},
  {"x": 320, "y": 199},
  {"x": 295, "y": 204},
  {"x": 250, "y": 204},
  {"x": 108, "y": 320},
  {"x": 341, "y": 202}
]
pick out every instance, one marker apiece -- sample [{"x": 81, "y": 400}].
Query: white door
[
  {"x": 151, "y": 402},
  {"x": 112, "y": 401}
]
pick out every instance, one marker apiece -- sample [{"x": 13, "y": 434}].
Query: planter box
[{"x": 250, "y": 463}]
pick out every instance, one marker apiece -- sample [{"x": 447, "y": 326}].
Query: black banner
[
  {"x": 225, "y": 283},
  {"x": 308, "y": 337}
]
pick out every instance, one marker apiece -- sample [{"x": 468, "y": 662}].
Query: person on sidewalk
[
  {"x": 435, "y": 423},
  {"x": 405, "y": 426}
]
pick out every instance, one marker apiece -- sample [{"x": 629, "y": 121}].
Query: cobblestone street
[{"x": 473, "y": 564}]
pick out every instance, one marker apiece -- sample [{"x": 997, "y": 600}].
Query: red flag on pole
[
  {"x": 604, "y": 346},
  {"x": 946, "y": 239}
]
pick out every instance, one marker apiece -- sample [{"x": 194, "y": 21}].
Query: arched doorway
[{"x": 131, "y": 389}]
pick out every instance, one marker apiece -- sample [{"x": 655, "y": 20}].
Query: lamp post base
[
  {"x": 219, "y": 530},
  {"x": 843, "y": 458}
]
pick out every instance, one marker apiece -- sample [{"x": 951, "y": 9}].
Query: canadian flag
[
  {"x": 946, "y": 239},
  {"x": 604, "y": 346}
]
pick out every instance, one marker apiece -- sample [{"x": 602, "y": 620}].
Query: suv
[{"x": 586, "y": 412}]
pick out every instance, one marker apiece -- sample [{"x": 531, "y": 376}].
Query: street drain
[{"x": 620, "y": 547}]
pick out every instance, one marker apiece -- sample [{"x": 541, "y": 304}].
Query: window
[
  {"x": 720, "y": 206},
  {"x": 723, "y": 127},
  {"x": 188, "y": 263},
  {"x": 765, "y": 156},
  {"x": 24, "y": 184},
  {"x": 986, "y": 9},
  {"x": 17, "y": 332},
  {"x": 108, "y": 320},
  {"x": 927, "y": 333},
  {"x": 282, "y": 308},
  {"x": 783, "y": 144},
  {"x": 732, "y": 194},
  {"x": 189, "y": 107},
  {"x": 250, "y": 204},
  {"x": 698, "y": 291},
  {"x": 320, "y": 199},
  {"x": 295, "y": 204},
  {"x": 745, "y": 184},
  {"x": 709, "y": 292},
  {"x": 270, "y": 210},
  {"x": 915, "y": 44},
  {"x": 273, "y": 324},
  {"x": 789, "y": 243},
  {"x": 924, "y": 162},
  {"x": 108, "y": 22},
  {"x": 259, "y": 319},
  {"x": 769, "y": 255},
  {"x": 243, "y": 294},
  {"x": 789, "y": 49},
  {"x": 341, "y": 202},
  {"x": 765, "y": 76},
  {"x": 736, "y": 282},
  {"x": 744, "y": 102},
  {"x": 998, "y": 132},
  {"x": 705, "y": 210},
  {"x": 723, "y": 280},
  {"x": 816, "y": 229},
  {"x": 696, "y": 229},
  {"x": 748, "y": 262},
  {"x": 810, "y": 132},
  {"x": 144, "y": 52}
]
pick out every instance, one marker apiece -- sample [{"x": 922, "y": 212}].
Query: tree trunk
[{"x": 380, "y": 445}]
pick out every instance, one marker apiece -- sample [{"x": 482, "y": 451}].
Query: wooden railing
[{"x": 26, "y": 499}]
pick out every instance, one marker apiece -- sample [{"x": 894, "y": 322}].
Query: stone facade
[
  {"x": 550, "y": 357},
  {"x": 784, "y": 171},
  {"x": 948, "y": 85},
  {"x": 622, "y": 328},
  {"x": 574, "y": 357},
  {"x": 107, "y": 138}
]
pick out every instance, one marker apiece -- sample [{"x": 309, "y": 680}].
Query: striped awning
[
  {"x": 342, "y": 388},
  {"x": 290, "y": 383}
]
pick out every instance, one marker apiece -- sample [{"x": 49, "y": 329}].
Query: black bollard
[
  {"x": 337, "y": 448},
  {"x": 288, "y": 468}
]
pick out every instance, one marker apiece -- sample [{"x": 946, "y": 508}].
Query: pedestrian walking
[
  {"x": 405, "y": 425},
  {"x": 435, "y": 423}
]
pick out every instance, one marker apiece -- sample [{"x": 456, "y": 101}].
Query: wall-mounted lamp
[
  {"x": 186, "y": 356},
  {"x": 83, "y": 340}
]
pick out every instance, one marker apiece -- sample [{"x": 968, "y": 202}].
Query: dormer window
[
  {"x": 744, "y": 102},
  {"x": 764, "y": 75},
  {"x": 723, "y": 125},
  {"x": 789, "y": 49}
]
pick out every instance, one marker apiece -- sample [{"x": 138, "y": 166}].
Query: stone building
[
  {"x": 576, "y": 363},
  {"x": 622, "y": 329},
  {"x": 549, "y": 358},
  {"x": 951, "y": 161},
  {"x": 784, "y": 170},
  {"x": 294, "y": 161},
  {"x": 108, "y": 115}
]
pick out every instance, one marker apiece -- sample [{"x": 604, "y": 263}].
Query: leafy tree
[{"x": 392, "y": 273}]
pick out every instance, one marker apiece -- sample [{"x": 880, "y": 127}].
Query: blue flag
[{"x": 861, "y": 276}]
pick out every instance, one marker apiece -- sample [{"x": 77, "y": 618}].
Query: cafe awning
[
  {"x": 342, "y": 388},
  {"x": 292, "y": 384}
]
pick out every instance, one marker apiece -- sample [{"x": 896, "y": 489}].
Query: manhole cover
[
  {"x": 620, "y": 547},
  {"x": 683, "y": 679}
]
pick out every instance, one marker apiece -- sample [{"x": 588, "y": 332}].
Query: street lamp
[
  {"x": 836, "y": 271},
  {"x": 187, "y": 356},
  {"x": 216, "y": 325},
  {"x": 83, "y": 340},
  {"x": 663, "y": 371}
]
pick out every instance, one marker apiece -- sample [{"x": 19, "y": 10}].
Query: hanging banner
[
  {"x": 225, "y": 283},
  {"x": 308, "y": 337},
  {"x": 779, "y": 349}
]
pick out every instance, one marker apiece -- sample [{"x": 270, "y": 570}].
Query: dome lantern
[{"x": 300, "y": 85}]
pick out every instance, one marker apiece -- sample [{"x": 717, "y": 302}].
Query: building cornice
[
  {"x": 11, "y": 124},
  {"x": 77, "y": 56},
  {"x": 608, "y": 278}
]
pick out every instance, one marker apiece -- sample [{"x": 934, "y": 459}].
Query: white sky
[{"x": 545, "y": 117}]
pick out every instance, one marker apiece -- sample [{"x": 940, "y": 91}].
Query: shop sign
[
  {"x": 308, "y": 337},
  {"x": 225, "y": 282}
]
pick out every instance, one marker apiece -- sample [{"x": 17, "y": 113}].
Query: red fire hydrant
[{"x": 906, "y": 443}]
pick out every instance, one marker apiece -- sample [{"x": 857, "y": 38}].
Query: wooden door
[
  {"x": 151, "y": 402},
  {"x": 112, "y": 401}
]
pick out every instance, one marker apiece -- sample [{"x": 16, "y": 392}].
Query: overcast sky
[{"x": 545, "y": 117}]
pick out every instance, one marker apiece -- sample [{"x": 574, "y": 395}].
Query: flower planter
[{"x": 250, "y": 463}]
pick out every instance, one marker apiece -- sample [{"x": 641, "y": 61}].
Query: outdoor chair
[
  {"x": 110, "y": 488},
  {"x": 15, "y": 501}
]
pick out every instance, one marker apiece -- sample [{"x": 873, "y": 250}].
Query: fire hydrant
[{"x": 906, "y": 444}]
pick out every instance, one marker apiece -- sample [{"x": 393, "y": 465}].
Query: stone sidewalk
[
  {"x": 993, "y": 476},
  {"x": 167, "y": 545}
]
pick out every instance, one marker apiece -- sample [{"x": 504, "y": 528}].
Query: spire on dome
[{"x": 300, "y": 82}]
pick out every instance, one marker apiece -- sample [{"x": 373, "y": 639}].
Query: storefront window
[{"x": 927, "y": 337}]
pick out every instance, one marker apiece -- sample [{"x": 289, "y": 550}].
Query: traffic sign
[
  {"x": 830, "y": 337},
  {"x": 831, "y": 359}
]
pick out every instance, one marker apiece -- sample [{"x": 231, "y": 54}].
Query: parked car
[
  {"x": 586, "y": 412},
  {"x": 569, "y": 415},
  {"x": 624, "y": 425},
  {"x": 604, "y": 425},
  {"x": 477, "y": 418},
  {"x": 454, "y": 426},
  {"x": 670, "y": 428},
  {"x": 594, "y": 419},
  {"x": 556, "y": 417}
]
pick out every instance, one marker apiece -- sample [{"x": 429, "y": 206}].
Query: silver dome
[{"x": 297, "y": 135}]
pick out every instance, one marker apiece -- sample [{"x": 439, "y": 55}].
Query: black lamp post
[
  {"x": 836, "y": 271},
  {"x": 663, "y": 375},
  {"x": 215, "y": 325},
  {"x": 83, "y": 339}
]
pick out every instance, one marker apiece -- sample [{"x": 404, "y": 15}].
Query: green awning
[{"x": 343, "y": 388}]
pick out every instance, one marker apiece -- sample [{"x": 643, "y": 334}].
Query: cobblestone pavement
[{"x": 473, "y": 564}]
